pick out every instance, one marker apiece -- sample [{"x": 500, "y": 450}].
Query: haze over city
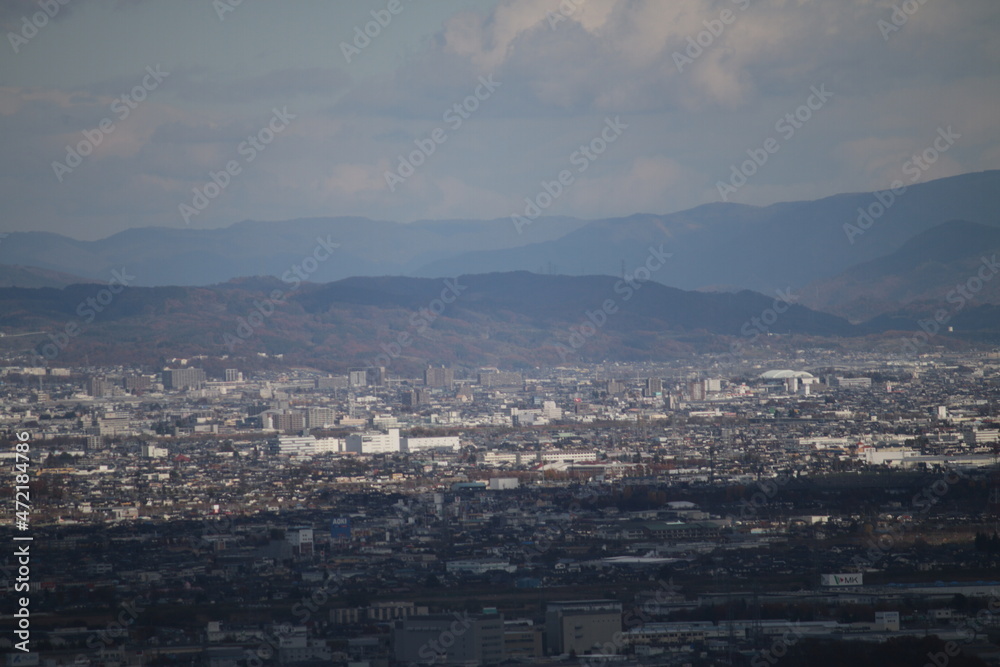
[{"x": 478, "y": 333}]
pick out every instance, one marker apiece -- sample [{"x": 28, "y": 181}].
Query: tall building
[
  {"x": 99, "y": 387},
  {"x": 358, "y": 378},
  {"x": 582, "y": 626},
  {"x": 439, "y": 376},
  {"x": 450, "y": 639},
  {"x": 183, "y": 378},
  {"x": 233, "y": 375},
  {"x": 286, "y": 421},
  {"x": 654, "y": 387},
  {"x": 321, "y": 417},
  {"x": 696, "y": 390},
  {"x": 376, "y": 376}
]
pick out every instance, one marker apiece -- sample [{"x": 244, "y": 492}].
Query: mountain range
[
  {"x": 347, "y": 291},
  {"x": 714, "y": 246}
]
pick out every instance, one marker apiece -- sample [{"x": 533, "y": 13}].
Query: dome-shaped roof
[{"x": 784, "y": 374}]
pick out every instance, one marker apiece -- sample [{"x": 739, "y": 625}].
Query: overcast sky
[{"x": 680, "y": 115}]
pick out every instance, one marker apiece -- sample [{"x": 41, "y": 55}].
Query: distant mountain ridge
[
  {"x": 785, "y": 245},
  {"x": 508, "y": 319},
  {"x": 922, "y": 271}
]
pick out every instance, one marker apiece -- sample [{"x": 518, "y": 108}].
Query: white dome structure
[{"x": 785, "y": 374}]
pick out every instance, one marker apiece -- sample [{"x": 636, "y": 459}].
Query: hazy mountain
[
  {"x": 510, "y": 319},
  {"x": 924, "y": 269},
  {"x": 761, "y": 248},
  {"x": 31, "y": 276},
  {"x": 162, "y": 256},
  {"x": 746, "y": 247}
]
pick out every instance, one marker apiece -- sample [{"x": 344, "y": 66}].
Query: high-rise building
[
  {"x": 183, "y": 378},
  {"x": 654, "y": 387},
  {"x": 233, "y": 375},
  {"x": 358, "y": 378},
  {"x": 321, "y": 417},
  {"x": 439, "y": 376},
  {"x": 696, "y": 390},
  {"x": 99, "y": 387},
  {"x": 376, "y": 376}
]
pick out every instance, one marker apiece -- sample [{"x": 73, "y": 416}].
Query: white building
[
  {"x": 441, "y": 442},
  {"x": 307, "y": 445},
  {"x": 374, "y": 442},
  {"x": 154, "y": 452}
]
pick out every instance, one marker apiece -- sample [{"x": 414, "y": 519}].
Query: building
[
  {"x": 374, "y": 442},
  {"x": 439, "y": 376},
  {"x": 291, "y": 445},
  {"x": 285, "y": 421},
  {"x": 301, "y": 539},
  {"x": 358, "y": 378},
  {"x": 497, "y": 378},
  {"x": 696, "y": 390},
  {"x": 503, "y": 483},
  {"x": 450, "y": 639},
  {"x": 654, "y": 388},
  {"x": 377, "y": 376},
  {"x": 154, "y": 452},
  {"x": 183, "y": 378},
  {"x": 321, "y": 417},
  {"x": 333, "y": 382},
  {"x": 854, "y": 383},
  {"x": 99, "y": 387},
  {"x": 523, "y": 639},
  {"x": 233, "y": 375},
  {"x": 479, "y": 566},
  {"x": 416, "y": 397},
  {"x": 441, "y": 442},
  {"x": 136, "y": 383},
  {"x": 582, "y": 626}
]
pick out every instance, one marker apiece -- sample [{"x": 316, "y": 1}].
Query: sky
[{"x": 117, "y": 114}]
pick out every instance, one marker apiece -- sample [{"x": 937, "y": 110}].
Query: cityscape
[{"x": 500, "y": 333}]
